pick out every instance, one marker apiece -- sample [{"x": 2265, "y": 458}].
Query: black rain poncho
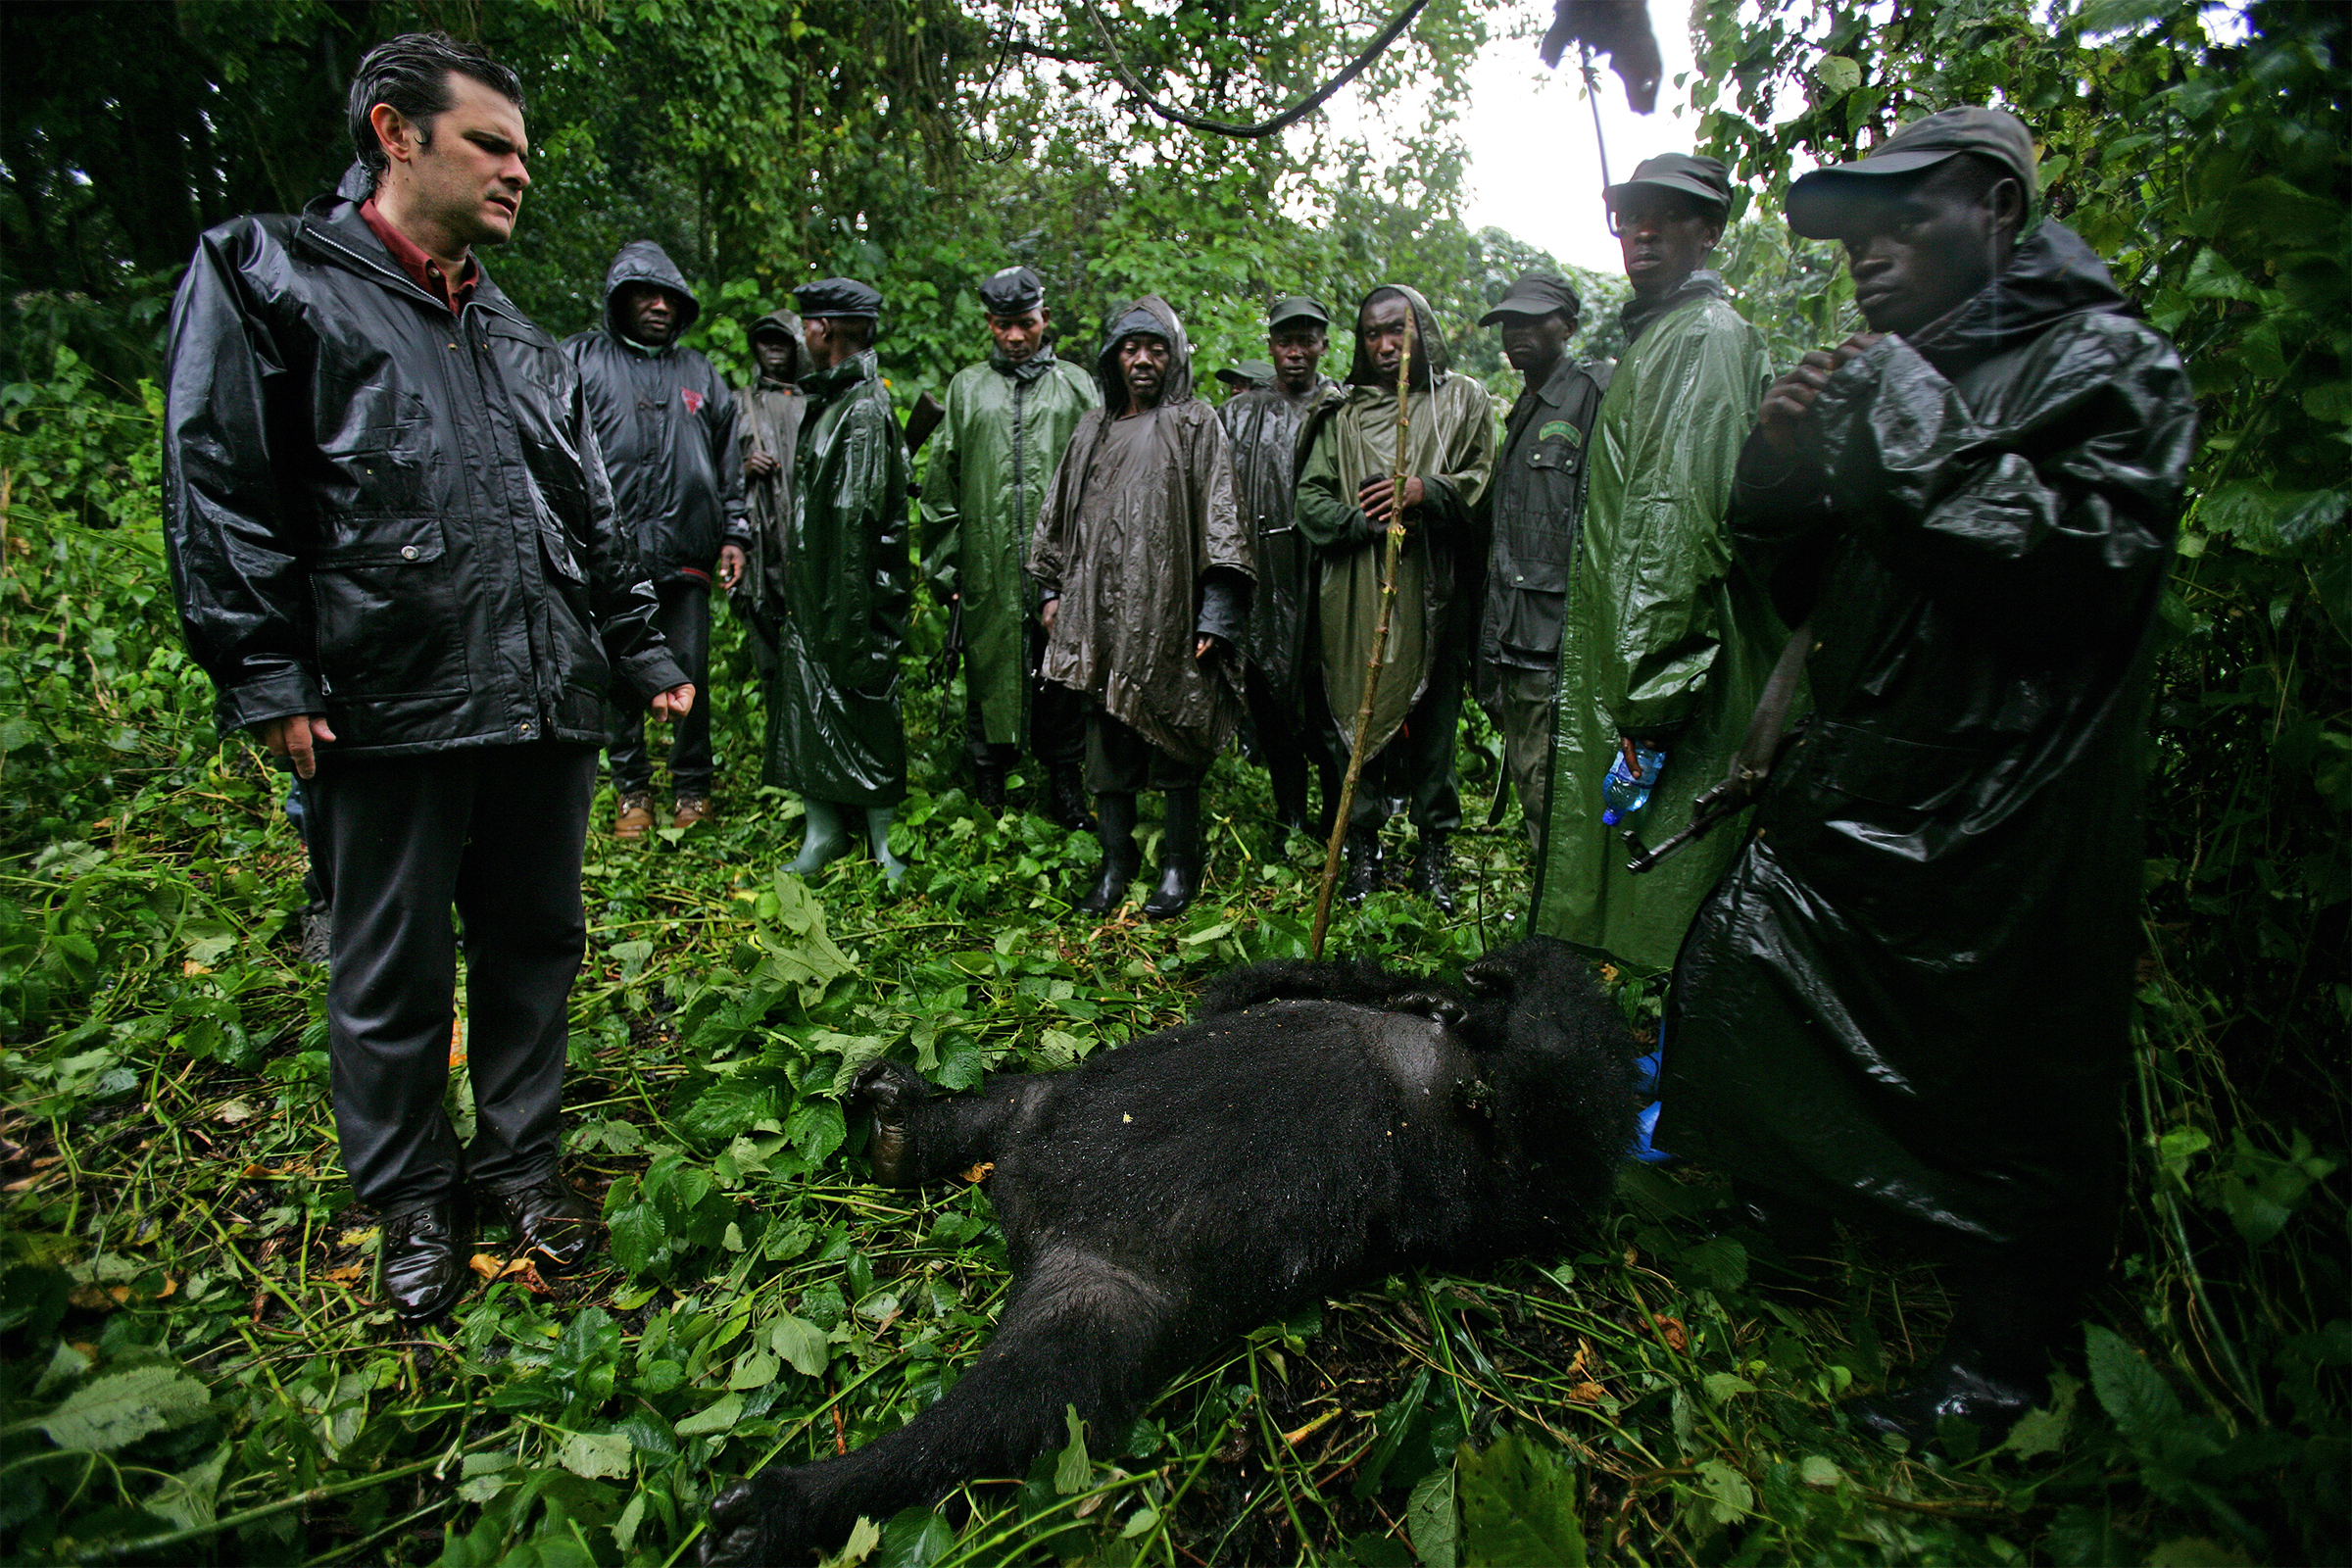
[
  {"x": 1909, "y": 997},
  {"x": 768, "y": 419},
  {"x": 834, "y": 727},
  {"x": 1262, "y": 427}
]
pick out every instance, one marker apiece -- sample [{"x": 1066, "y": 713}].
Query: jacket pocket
[
  {"x": 384, "y": 598},
  {"x": 571, "y": 622}
]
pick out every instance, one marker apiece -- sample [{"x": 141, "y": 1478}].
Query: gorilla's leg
[{"x": 1079, "y": 1331}]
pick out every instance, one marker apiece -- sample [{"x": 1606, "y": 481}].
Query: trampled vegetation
[{"x": 193, "y": 1371}]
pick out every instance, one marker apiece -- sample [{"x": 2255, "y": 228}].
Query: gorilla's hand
[{"x": 891, "y": 1093}]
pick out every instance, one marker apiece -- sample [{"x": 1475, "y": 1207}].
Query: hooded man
[
  {"x": 665, "y": 424},
  {"x": 767, "y": 422},
  {"x": 836, "y": 738},
  {"x": 1665, "y": 643},
  {"x": 1145, "y": 568},
  {"x": 1286, "y": 710},
  {"x": 1006, "y": 423},
  {"x": 1537, "y": 500},
  {"x": 396, "y": 557},
  {"x": 1909, "y": 1001},
  {"x": 1348, "y": 453}
]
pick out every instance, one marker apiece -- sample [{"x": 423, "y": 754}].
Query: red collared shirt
[{"x": 421, "y": 268}]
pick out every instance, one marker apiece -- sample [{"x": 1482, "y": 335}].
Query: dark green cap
[
  {"x": 1684, "y": 173},
  {"x": 1536, "y": 294},
  {"x": 1819, "y": 203},
  {"x": 1295, "y": 307}
]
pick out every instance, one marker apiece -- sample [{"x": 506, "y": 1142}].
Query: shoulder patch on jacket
[{"x": 1562, "y": 429}]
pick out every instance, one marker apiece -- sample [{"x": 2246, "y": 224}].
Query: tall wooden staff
[{"x": 1390, "y": 554}]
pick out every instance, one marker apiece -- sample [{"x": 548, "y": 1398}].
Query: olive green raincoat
[
  {"x": 1130, "y": 567},
  {"x": 834, "y": 728},
  {"x": 995, "y": 454},
  {"x": 1350, "y": 437},
  {"x": 768, "y": 420},
  {"x": 1665, "y": 639}
]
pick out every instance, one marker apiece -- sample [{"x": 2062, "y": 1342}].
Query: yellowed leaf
[{"x": 979, "y": 1173}]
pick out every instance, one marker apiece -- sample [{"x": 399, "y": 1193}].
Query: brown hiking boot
[
  {"x": 688, "y": 809},
  {"x": 636, "y": 818}
]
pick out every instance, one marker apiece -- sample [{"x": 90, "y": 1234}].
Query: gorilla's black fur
[{"x": 1315, "y": 1128}]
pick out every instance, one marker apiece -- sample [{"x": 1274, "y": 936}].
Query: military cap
[
  {"x": 1246, "y": 374},
  {"x": 1684, "y": 173},
  {"x": 1015, "y": 291},
  {"x": 1295, "y": 307},
  {"x": 1821, "y": 200},
  {"x": 1536, "y": 293},
  {"x": 838, "y": 296}
]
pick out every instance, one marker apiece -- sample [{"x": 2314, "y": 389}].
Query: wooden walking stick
[{"x": 1391, "y": 552}]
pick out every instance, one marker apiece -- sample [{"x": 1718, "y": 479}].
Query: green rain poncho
[
  {"x": 1351, "y": 437},
  {"x": 995, "y": 454},
  {"x": 1665, "y": 639},
  {"x": 834, "y": 731}
]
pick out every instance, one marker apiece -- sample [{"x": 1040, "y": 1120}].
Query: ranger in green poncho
[
  {"x": 1666, "y": 643},
  {"x": 1005, "y": 426},
  {"x": 838, "y": 739},
  {"x": 1347, "y": 447}
]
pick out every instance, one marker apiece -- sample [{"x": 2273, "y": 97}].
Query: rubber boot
[
  {"x": 2007, "y": 1319},
  {"x": 1066, "y": 798},
  {"x": 1433, "y": 871},
  {"x": 988, "y": 786},
  {"x": 1179, "y": 858},
  {"x": 1364, "y": 865},
  {"x": 1115, "y": 828},
  {"x": 877, "y": 832},
  {"x": 827, "y": 840}
]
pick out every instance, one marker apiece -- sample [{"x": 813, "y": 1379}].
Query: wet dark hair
[{"x": 411, "y": 73}]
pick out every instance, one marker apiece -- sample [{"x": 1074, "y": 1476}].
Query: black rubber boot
[
  {"x": 1433, "y": 871},
  {"x": 1066, "y": 798},
  {"x": 988, "y": 786},
  {"x": 1363, "y": 867},
  {"x": 1179, "y": 858},
  {"x": 1115, "y": 827},
  {"x": 1996, "y": 1362}
]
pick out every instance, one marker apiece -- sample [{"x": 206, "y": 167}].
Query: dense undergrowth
[{"x": 194, "y": 1371}]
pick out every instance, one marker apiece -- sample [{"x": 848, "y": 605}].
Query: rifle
[{"x": 1751, "y": 769}]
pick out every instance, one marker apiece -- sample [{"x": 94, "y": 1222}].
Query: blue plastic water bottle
[{"x": 1622, "y": 794}]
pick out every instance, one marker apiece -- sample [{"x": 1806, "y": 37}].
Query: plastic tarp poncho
[
  {"x": 1664, "y": 639},
  {"x": 1262, "y": 425},
  {"x": 1132, "y": 568},
  {"x": 1350, "y": 437},
  {"x": 768, "y": 419},
  {"x": 834, "y": 729},
  {"x": 1910, "y": 996},
  {"x": 667, "y": 424},
  {"x": 1004, "y": 432}
]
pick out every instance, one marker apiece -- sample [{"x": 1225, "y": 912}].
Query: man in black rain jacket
[
  {"x": 1908, "y": 1000},
  {"x": 667, "y": 424},
  {"x": 394, "y": 554}
]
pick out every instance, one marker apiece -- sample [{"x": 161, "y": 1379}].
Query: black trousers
[
  {"x": 1417, "y": 766},
  {"x": 1120, "y": 761},
  {"x": 1292, "y": 731},
  {"x": 494, "y": 831},
  {"x": 1057, "y": 716},
  {"x": 684, "y": 619}
]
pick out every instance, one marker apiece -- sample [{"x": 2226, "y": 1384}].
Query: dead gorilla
[{"x": 1314, "y": 1129}]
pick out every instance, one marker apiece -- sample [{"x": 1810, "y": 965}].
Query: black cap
[
  {"x": 1684, "y": 173},
  {"x": 1015, "y": 291},
  {"x": 1819, "y": 202},
  {"x": 1296, "y": 307},
  {"x": 1246, "y": 374},
  {"x": 838, "y": 296},
  {"x": 1537, "y": 294}
]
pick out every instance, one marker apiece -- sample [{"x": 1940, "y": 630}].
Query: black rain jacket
[
  {"x": 384, "y": 514},
  {"x": 1908, "y": 998},
  {"x": 666, "y": 426}
]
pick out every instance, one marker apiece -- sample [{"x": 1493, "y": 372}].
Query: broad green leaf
[
  {"x": 1722, "y": 1387},
  {"x": 1728, "y": 1494},
  {"x": 598, "y": 1455},
  {"x": 2038, "y": 1432},
  {"x": 801, "y": 1343},
  {"x": 865, "y": 1537},
  {"x": 914, "y": 1538},
  {"x": 637, "y": 1241},
  {"x": 1819, "y": 1471},
  {"x": 1075, "y": 1471},
  {"x": 1837, "y": 75},
  {"x": 624, "y": 1529},
  {"x": 1519, "y": 1507},
  {"x": 1139, "y": 1522},
  {"x": 718, "y": 1417},
  {"x": 1431, "y": 1520},
  {"x": 2133, "y": 1394},
  {"x": 2212, "y": 277},
  {"x": 126, "y": 1406},
  {"x": 187, "y": 1498},
  {"x": 753, "y": 1369}
]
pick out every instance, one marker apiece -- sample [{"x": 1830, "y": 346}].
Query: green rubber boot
[
  {"x": 877, "y": 830},
  {"x": 827, "y": 841}
]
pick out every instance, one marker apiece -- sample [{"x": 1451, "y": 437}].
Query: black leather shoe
[
  {"x": 1363, "y": 867},
  {"x": 1179, "y": 858},
  {"x": 1114, "y": 826},
  {"x": 420, "y": 1261},
  {"x": 1433, "y": 871},
  {"x": 1955, "y": 1386},
  {"x": 553, "y": 1225}
]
